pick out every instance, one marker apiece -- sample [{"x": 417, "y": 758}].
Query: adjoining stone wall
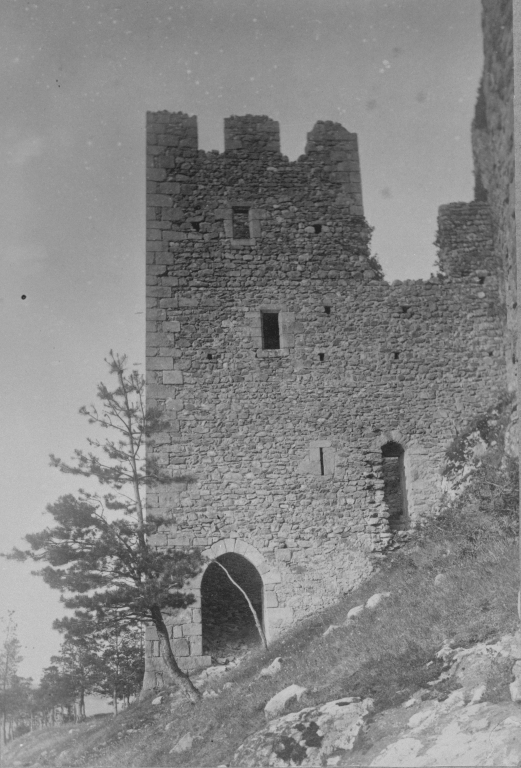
[
  {"x": 493, "y": 150},
  {"x": 285, "y": 444}
]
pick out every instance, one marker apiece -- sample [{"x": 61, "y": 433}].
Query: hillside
[{"x": 452, "y": 585}]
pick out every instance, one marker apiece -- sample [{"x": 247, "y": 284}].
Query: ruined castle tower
[{"x": 310, "y": 400}]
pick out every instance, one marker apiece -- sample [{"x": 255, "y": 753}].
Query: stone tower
[{"x": 310, "y": 400}]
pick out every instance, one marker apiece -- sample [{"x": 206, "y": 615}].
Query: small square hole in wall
[
  {"x": 317, "y": 228},
  {"x": 396, "y": 355},
  {"x": 196, "y": 226},
  {"x": 481, "y": 280},
  {"x": 490, "y": 354},
  {"x": 321, "y": 357},
  {"x": 327, "y": 310},
  {"x": 209, "y": 356},
  {"x": 241, "y": 223},
  {"x": 405, "y": 309}
]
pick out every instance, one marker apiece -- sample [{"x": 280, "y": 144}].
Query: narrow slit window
[
  {"x": 396, "y": 355},
  {"x": 270, "y": 330},
  {"x": 321, "y": 357},
  {"x": 317, "y": 228},
  {"x": 327, "y": 310},
  {"x": 395, "y": 489},
  {"x": 241, "y": 224},
  {"x": 321, "y": 455}
]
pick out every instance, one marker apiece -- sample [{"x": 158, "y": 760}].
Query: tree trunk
[
  {"x": 181, "y": 678},
  {"x": 82, "y": 705}
]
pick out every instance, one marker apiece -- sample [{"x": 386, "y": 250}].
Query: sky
[{"x": 77, "y": 79}]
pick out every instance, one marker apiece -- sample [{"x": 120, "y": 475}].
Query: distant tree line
[{"x": 95, "y": 658}]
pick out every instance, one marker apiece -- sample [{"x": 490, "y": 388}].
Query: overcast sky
[{"x": 77, "y": 79}]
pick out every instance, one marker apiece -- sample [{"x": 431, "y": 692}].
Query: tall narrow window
[
  {"x": 321, "y": 455},
  {"x": 270, "y": 330},
  {"x": 395, "y": 491},
  {"x": 241, "y": 224}
]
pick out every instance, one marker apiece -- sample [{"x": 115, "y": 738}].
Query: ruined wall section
[
  {"x": 361, "y": 362},
  {"x": 493, "y": 150},
  {"x": 465, "y": 241}
]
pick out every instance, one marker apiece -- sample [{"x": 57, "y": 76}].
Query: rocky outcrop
[
  {"x": 468, "y": 716},
  {"x": 312, "y": 737}
]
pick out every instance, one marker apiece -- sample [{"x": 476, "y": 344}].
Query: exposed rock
[
  {"x": 376, "y": 599},
  {"x": 157, "y": 700},
  {"x": 308, "y": 737},
  {"x": 441, "y": 579},
  {"x": 354, "y": 612},
  {"x": 450, "y": 733},
  {"x": 330, "y": 629},
  {"x": 272, "y": 669},
  {"x": 278, "y": 703},
  {"x": 183, "y": 745},
  {"x": 515, "y": 686}
]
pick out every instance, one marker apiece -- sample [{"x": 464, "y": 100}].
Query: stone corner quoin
[{"x": 310, "y": 400}]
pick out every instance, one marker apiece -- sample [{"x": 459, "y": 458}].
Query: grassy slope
[{"x": 387, "y": 653}]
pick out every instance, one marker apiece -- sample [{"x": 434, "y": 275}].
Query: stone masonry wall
[
  {"x": 361, "y": 362},
  {"x": 493, "y": 150}
]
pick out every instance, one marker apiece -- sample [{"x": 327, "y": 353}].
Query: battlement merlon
[
  {"x": 336, "y": 149},
  {"x": 254, "y": 134}
]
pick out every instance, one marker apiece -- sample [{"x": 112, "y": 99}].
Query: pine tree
[{"x": 98, "y": 553}]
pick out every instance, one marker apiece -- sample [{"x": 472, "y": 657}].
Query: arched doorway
[
  {"x": 395, "y": 489},
  {"x": 228, "y": 624}
]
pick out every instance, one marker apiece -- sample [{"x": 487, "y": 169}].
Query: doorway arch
[{"x": 228, "y": 625}]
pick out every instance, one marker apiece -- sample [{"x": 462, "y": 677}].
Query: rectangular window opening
[
  {"x": 321, "y": 453},
  {"x": 321, "y": 357},
  {"x": 241, "y": 223},
  {"x": 270, "y": 330},
  {"x": 327, "y": 310}
]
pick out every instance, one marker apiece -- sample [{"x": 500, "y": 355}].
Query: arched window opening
[
  {"x": 395, "y": 490},
  {"x": 228, "y": 624}
]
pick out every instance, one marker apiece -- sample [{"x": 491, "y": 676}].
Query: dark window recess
[
  {"x": 321, "y": 454},
  {"x": 395, "y": 490},
  {"x": 270, "y": 330},
  {"x": 321, "y": 357},
  {"x": 241, "y": 224},
  {"x": 405, "y": 309},
  {"x": 317, "y": 228},
  {"x": 481, "y": 280},
  {"x": 396, "y": 355},
  {"x": 514, "y": 359},
  {"x": 195, "y": 226},
  {"x": 327, "y": 310},
  {"x": 490, "y": 354},
  {"x": 209, "y": 357},
  {"x": 514, "y": 305}
]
